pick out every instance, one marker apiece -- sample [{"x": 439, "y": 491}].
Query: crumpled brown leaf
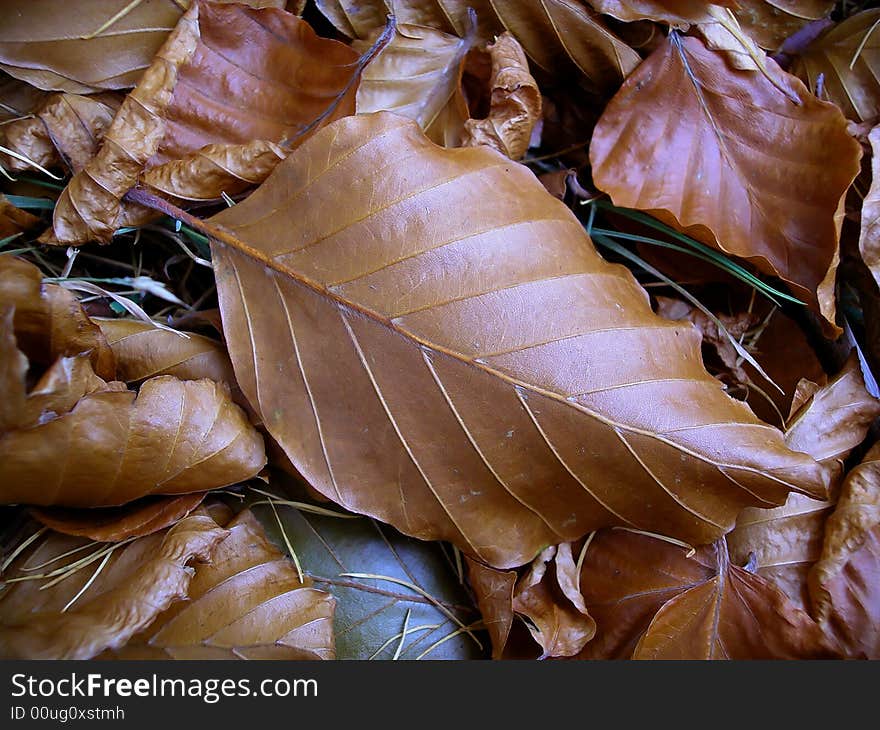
[
  {"x": 94, "y": 45},
  {"x": 855, "y": 90},
  {"x": 139, "y": 580},
  {"x": 563, "y": 37},
  {"x": 835, "y": 418},
  {"x": 114, "y": 524},
  {"x": 844, "y": 582},
  {"x": 651, "y": 601},
  {"x": 143, "y": 351},
  {"x": 515, "y": 104},
  {"x": 66, "y": 128},
  {"x": 783, "y": 543},
  {"x": 493, "y": 590},
  {"x": 746, "y": 204},
  {"x": 77, "y": 441},
  {"x": 247, "y": 603},
  {"x": 49, "y": 321},
  {"x": 203, "y": 89},
  {"x": 549, "y": 597},
  {"x": 418, "y": 75},
  {"x": 506, "y": 365},
  {"x": 869, "y": 238}
]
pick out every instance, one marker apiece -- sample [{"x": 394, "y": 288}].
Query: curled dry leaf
[
  {"x": 66, "y": 128},
  {"x": 143, "y": 351},
  {"x": 77, "y": 441},
  {"x": 215, "y": 169},
  {"x": 418, "y": 75},
  {"x": 115, "y": 524},
  {"x": 207, "y": 88},
  {"x": 683, "y": 139},
  {"x": 14, "y": 220},
  {"x": 247, "y": 603},
  {"x": 493, "y": 590},
  {"x": 98, "y": 44},
  {"x": 378, "y": 577},
  {"x": 844, "y": 582},
  {"x": 651, "y": 601},
  {"x": 490, "y": 335},
  {"x": 869, "y": 238},
  {"x": 847, "y": 58},
  {"x": 836, "y": 418},
  {"x": 49, "y": 321},
  {"x": 563, "y": 37},
  {"x": 515, "y": 104},
  {"x": 547, "y": 595},
  {"x": 782, "y": 544},
  {"x": 92, "y": 610}
]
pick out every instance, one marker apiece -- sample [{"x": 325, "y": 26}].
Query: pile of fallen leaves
[{"x": 515, "y": 329}]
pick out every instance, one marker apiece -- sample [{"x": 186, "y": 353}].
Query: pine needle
[
  {"x": 414, "y": 629},
  {"x": 301, "y": 506},
  {"x": 21, "y": 548},
  {"x": 671, "y": 540},
  {"x": 287, "y": 543},
  {"x": 580, "y": 560},
  {"x": 27, "y": 161},
  {"x": 88, "y": 582},
  {"x": 115, "y": 19},
  {"x": 422, "y": 592},
  {"x": 463, "y": 629},
  {"x": 402, "y": 636}
]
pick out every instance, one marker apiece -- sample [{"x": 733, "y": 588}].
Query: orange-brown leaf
[
  {"x": 14, "y": 220},
  {"x": 248, "y": 603},
  {"x": 77, "y": 441},
  {"x": 844, "y": 582},
  {"x": 49, "y": 321},
  {"x": 563, "y": 37},
  {"x": 139, "y": 580},
  {"x": 848, "y": 69},
  {"x": 418, "y": 75},
  {"x": 515, "y": 103},
  {"x": 96, "y": 44},
  {"x": 67, "y": 128},
  {"x": 114, "y": 524},
  {"x": 365, "y": 344},
  {"x": 728, "y": 157},
  {"x": 207, "y": 88},
  {"x": 493, "y": 590},
  {"x": 651, "y": 601}
]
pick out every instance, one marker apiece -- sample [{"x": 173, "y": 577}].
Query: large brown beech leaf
[
  {"x": 96, "y": 44},
  {"x": 73, "y": 619},
  {"x": 77, "y": 441},
  {"x": 855, "y": 89},
  {"x": 729, "y": 157},
  {"x": 206, "y": 87},
  {"x": 447, "y": 367},
  {"x": 247, "y": 603},
  {"x": 673, "y": 12},
  {"x": 651, "y": 601},
  {"x": 563, "y": 37},
  {"x": 845, "y": 582},
  {"x": 418, "y": 75},
  {"x": 770, "y": 22}
]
